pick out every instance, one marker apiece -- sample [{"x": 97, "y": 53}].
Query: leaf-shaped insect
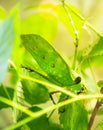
[{"x": 48, "y": 59}]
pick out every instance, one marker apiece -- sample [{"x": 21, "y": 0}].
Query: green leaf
[
  {"x": 97, "y": 48},
  {"x": 48, "y": 59},
  {"x": 7, "y": 37},
  {"x": 6, "y": 93},
  {"x": 73, "y": 116},
  {"x": 70, "y": 18},
  {"x": 96, "y": 53},
  {"x": 89, "y": 82},
  {"x": 54, "y": 126},
  {"x": 92, "y": 54},
  {"x": 39, "y": 123},
  {"x": 35, "y": 91},
  {"x": 41, "y": 23}
]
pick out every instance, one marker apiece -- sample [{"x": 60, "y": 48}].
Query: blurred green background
[{"x": 61, "y": 39}]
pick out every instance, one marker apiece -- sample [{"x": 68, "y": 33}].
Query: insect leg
[
  {"x": 51, "y": 96},
  {"x": 63, "y": 110}
]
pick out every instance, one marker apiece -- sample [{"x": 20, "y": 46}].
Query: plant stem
[
  {"x": 84, "y": 20},
  {"x": 75, "y": 57},
  {"x": 75, "y": 32},
  {"x": 97, "y": 106},
  {"x": 58, "y": 88}
]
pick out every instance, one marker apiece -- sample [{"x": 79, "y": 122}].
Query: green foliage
[
  {"x": 69, "y": 115},
  {"x": 37, "y": 124},
  {"x": 100, "y": 125},
  {"x": 69, "y": 118},
  {"x": 93, "y": 53},
  {"x": 34, "y": 68}
]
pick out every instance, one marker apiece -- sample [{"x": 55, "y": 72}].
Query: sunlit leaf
[
  {"x": 97, "y": 48},
  {"x": 54, "y": 126},
  {"x": 96, "y": 53},
  {"x": 48, "y": 59},
  {"x": 89, "y": 83}
]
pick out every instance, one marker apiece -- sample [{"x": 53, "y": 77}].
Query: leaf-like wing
[{"x": 48, "y": 59}]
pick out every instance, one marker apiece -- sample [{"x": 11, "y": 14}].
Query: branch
[{"x": 97, "y": 106}]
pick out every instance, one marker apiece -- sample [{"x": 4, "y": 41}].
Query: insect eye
[
  {"x": 77, "y": 80},
  {"x": 43, "y": 57}
]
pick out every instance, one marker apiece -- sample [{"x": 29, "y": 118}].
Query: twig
[
  {"x": 75, "y": 54},
  {"x": 97, "y": 106}
]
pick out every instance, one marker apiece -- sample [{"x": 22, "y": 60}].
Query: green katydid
[{"x": 48, "y": 59}]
